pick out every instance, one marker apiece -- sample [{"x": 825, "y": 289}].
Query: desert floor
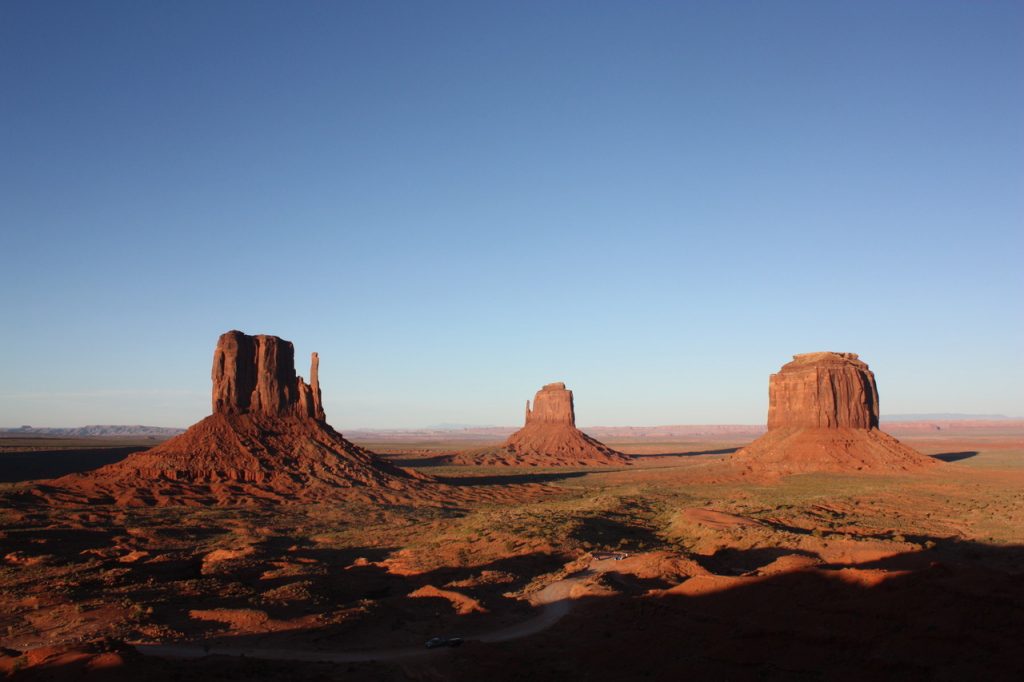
[{"x": 662, "y": 569}]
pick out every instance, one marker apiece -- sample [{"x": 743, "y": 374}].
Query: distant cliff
[{"x": 92, "y": 430}]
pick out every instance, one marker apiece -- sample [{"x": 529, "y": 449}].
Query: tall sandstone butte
[
  {"x": 267, "y": 441},
  {"x": 823, "y": 416},
  {"x": 256, "y": 375},
  {"x": 550, "y": 436},
  {"x": 823, "y": 390},
  {"x": 552, "y": 405}
]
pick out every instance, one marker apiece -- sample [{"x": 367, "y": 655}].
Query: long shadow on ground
[
  {"x": 508, "y": 479},
  {"x": 952, "y": 612},
  {"x": 694, "y": 453},
  {"x": 30, "y": 466},
  {"x": 955, "y": 456},
  {"x": 417, "y": 462}
]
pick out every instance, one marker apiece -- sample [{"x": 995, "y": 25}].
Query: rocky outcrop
[
  {"x": 548, "y": 438},
  {"x": 827, "y": 390},
  {"x": 552, "y": 405},
  {"x": 314, "y": 386},
  {"x": 310, "y": 403},
  {"x": 267, "y": 441},
  {"x": 256, "y": 375},
  {"x": 823, "y": 416}
]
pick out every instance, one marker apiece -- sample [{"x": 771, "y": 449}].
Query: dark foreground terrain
[{"x": 668, "y": 568}]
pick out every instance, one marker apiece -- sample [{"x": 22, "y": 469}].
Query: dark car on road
[{"x": 436, "y": 642}]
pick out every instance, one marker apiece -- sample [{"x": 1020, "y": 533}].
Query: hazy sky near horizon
[{"x": 454, "y": 203}]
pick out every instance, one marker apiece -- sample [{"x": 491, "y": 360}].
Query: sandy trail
[{"x": 554, "y": 602}]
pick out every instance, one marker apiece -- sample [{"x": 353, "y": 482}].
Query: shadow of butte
[
  {"x": 695, "y": 453},
  {"x": 955, "y": 456}
]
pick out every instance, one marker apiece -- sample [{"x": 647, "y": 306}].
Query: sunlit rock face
[
  {"x": 550, "y": 437},
  {"x": 823, "y": 416},
  {"x": 823, "y": 390},
  {"x": 552, "y": 405}
]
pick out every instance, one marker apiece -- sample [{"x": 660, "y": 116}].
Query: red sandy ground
[
  {"x": 545, "y": 446},
  {"x": 804, "y": 450},
  {"x": 248, "y": 460},
  {"x": 909, "y": 575}
]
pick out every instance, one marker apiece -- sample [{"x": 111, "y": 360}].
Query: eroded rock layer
[
  {"x": 266, "y": 441},
  {"x": 828, "y": 390},
  {"x": 823, "y": 416},
  {"x": 552, "y": 405},
  {"x": 256, "y": 375},
  {"x": 241, "y": 459},
  {"x": 549, "y": 438}
]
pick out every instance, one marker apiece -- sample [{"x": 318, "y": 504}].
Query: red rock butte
[
  {"x": 823, "y": 416},
  {"x": 550, "y": 436},
  {"x": 256, "y": 375},
  {"x": 823, "y": 390},
  {"x": 267, "y": 441}
]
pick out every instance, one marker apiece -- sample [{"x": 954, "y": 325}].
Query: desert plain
[
  {"x": 673, "y": 565},
  {"x": 636, "y": 262}
]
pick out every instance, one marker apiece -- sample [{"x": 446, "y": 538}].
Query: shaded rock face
[
  {"x": 256, "y": 375},
  {"x": 828, "y": 390},
  {"x": 552, "y": 405},
  {"x": 823, "y": 416}
]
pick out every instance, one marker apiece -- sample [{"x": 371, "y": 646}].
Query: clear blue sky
[{"x": 455, "y": 203}]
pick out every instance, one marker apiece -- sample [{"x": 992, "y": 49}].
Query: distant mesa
[
  {"x": 93, "y": 430},
  {"x": 267, "y": 441},
  {"x": 549, "y": 438},
  {"x": 823, "y": 416}
]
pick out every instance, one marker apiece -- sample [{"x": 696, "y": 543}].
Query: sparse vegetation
[{"x": 347, "y": 570}]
